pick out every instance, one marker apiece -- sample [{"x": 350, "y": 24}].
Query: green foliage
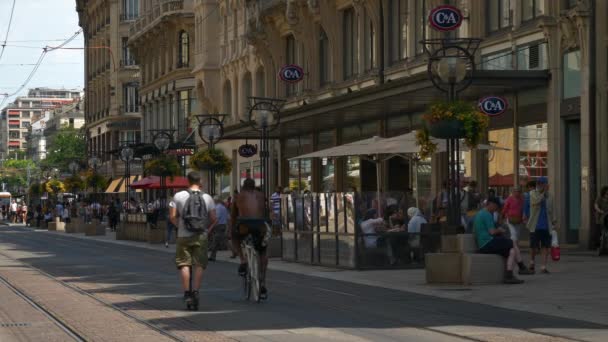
[
  {"x": 74, "y": 183},
  {"x": 212, "y": 159},
  {"x": 67, "y": 146},
  {"x": 95, "y": 181},
  {"x": 164, "y": 166},
  {"x": 35, "y": 189},
  {"x": 19, "y": 164}
]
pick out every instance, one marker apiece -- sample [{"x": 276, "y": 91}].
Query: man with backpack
[{"x": 193, "y": 212}]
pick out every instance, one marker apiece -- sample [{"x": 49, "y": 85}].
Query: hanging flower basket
[
  {"x": 93, "y": 180},
  {"x": 451, "y": 120},
  {"x": 447, "y": 129},
  {"x": 162, "y": 167},
  {"x": 211, "y": 160},
  {"x": 54, "y": 186}
]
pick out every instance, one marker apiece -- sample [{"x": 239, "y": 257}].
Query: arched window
[
  {"x": 184, "y": 50},
  {"x": 247, "y": 93},
  {"x": 260, "y": 79},
  {"x": 228, "y": 98}
]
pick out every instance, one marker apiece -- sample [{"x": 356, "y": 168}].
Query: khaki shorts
[{"x": 191, "y": 251}]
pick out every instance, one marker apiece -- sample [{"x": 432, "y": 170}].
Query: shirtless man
[{"x": 247, "y": 213}]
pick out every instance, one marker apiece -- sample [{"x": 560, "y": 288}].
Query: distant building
[{"x": 16, "y": 118}]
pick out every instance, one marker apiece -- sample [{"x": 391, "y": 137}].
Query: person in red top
[{"x": 512, "y": 213}]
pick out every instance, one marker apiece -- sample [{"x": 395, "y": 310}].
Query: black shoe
[
  {"x": 242, "y": 270},
  {"x": 187, "y": 296},
  {"x": 263, "y": 292},
  {"x": 544, "y": 271}
]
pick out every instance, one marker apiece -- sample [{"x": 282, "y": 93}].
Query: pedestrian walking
[
  {"x": 13, "y": 211},
  {"x": 65, "y": 215},
  {"x": 540, "y": 223},
  {"x": 512, "y": 213},
  {"x": 113, "y": 216},
  {"x": 218, "y": 230},
  {"x": 192, "y": 209},
  {"x": 275, "y": 199}
]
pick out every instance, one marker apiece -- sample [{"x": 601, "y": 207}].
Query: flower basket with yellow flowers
[
  {"x": 213, "y": 160},
  {"x": 451, "y": 120},
  {"x": 54, "y": 187},
  {"x": 164, "y": 166}
]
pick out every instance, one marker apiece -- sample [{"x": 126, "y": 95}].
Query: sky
[{"x": 39, "y": 23}]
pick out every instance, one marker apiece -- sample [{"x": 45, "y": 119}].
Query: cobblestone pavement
[{"x": 143, "y": 282}]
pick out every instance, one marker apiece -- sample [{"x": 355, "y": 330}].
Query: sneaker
[
  {"x": 263, "y": 292},
  {"x": 242, "y": 270},
  {"x": 187, "y": 296}
]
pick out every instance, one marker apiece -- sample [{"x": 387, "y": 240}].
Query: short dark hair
[
  {"x": 248, "y": 184},
  {"x": 531, "y": 184},
  {"x": 194, "y": 178}
]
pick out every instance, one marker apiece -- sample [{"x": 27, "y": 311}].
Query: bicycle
[{"x": 251, "y": 279}]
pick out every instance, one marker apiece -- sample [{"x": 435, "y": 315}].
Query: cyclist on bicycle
[{"x": 248, "y": 215}]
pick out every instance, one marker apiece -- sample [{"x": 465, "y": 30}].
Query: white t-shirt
[
  {"x": 66, "y": 213},
  {"x": 368, "y": 227},
  {"x": 14, "y": 207},
  {"x": 179, "y": 201},
  {"x": 415, "y": 224}
]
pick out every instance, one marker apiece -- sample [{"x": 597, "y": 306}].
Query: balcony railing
[
  {"x": 163, "y": 8},
  {"x": 128, "y": 16}
]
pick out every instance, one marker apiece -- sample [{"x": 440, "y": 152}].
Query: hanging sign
[
  {"x": 248, "y": 150},
  {"x": 291, "y": 73},
  {"x": 445, "y": 18},
  {"x": 493, "y": 105}
]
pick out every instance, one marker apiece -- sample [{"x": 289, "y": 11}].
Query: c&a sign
[
  {"x": 291, "y": 73},
  {"x": 445, "y": 18},
  {"x": 493, "y": 105}
]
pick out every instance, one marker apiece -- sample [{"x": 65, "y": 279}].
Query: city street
[{"x": 118, "y": 292}]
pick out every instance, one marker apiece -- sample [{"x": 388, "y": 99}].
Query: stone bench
[
  {"x": 459, "y": 263},
  {"x": 56, "y": 225}
]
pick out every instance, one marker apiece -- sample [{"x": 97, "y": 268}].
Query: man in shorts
[
  {"x": 491, "y": 240},
  {"x": 248, "y": 215},
  {"x": 191, "y": 248},
  {"x": 540, "y": 223}
]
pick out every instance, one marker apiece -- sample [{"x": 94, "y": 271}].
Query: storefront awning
[{"x": 118, "y": 185}]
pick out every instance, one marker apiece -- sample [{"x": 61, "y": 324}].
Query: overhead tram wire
[
  {"x": 8, "y": 30},
  {"x": 45, "y": 50}
]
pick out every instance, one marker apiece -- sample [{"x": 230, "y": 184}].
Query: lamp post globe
[
  {"x": 211, "y": 130},
  {"x": 263, "y": 118},
  {"x": 94, "y": 162},
  {"x": 452, "y": 70},
  {"x": 126, "y": 154},
  {"x": 74, "y": 166},
  {"x": 162, "y": 141}
]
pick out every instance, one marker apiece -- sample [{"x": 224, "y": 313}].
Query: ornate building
[{"x": 112, "y": 111}]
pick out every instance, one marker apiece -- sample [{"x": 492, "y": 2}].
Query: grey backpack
[{"x": 195, "y": 214}]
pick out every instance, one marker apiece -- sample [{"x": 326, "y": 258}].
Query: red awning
[
  {"x": 13, "y": 143},
  {"x": 153, "y": 182}
]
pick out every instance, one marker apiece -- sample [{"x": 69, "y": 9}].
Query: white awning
[{"x": 401, "y": 144}]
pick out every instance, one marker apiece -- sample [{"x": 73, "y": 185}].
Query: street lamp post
[
  {"x": 211, "y": 131},
  {"x": 126, "y": 155},
  {"x": 162, "y": 140},
  {"x": 450, "y": 68},
  {"x": 264, "y": 116}
]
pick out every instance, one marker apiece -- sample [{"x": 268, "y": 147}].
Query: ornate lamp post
[
  {"x": 162, "y": 139},
  {"x": 450, "y": 68},
  {"x": 211, "y": 131},
  {"x": 264, "y": 116},
  {"x": 74, "y": 167},
  {"x": 126, "y": 155}
]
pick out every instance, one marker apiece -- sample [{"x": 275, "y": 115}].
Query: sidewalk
[{"x": 575, "y": 289}]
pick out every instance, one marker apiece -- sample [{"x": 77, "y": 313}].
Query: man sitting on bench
[{"x": 491, "y": 240}]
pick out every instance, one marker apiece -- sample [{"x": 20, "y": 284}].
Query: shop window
[
  {"x": 397, "y": 11},
  {"x": 498, "y": 14},
  {"x": 326, "y": 140},
  {"x": 359, "y": 132},
  {"x": 533, "y": 149},
  {"x": 572, "y": 74},
  {"x": 500, "y": 162}
]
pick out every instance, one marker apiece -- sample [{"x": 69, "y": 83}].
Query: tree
[{"x": 67, "y": 146}]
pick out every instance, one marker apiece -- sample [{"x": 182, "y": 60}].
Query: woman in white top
[{"x": 65, "y": 215}]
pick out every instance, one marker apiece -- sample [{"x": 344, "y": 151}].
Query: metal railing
[{"x": 163, "y": 8}]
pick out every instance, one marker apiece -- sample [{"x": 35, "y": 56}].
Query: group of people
[{"x": 15, "y": 212}]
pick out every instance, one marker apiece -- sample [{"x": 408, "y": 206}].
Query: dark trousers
[{"x": 218, "y": 238}]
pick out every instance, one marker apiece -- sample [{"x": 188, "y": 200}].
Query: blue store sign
[
  {"x": 493, "y": 105},
  {"x": 445, "y": 18},
  {"x": 291, "y": 73}
]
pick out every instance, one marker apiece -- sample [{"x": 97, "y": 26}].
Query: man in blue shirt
[
  {"x": 540, "y": 223},
  {"x": 218, "y": 231},
  {"x": 491, "y": 240}
]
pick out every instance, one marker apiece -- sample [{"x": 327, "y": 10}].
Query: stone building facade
[{"x": 112, "y": 108}]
